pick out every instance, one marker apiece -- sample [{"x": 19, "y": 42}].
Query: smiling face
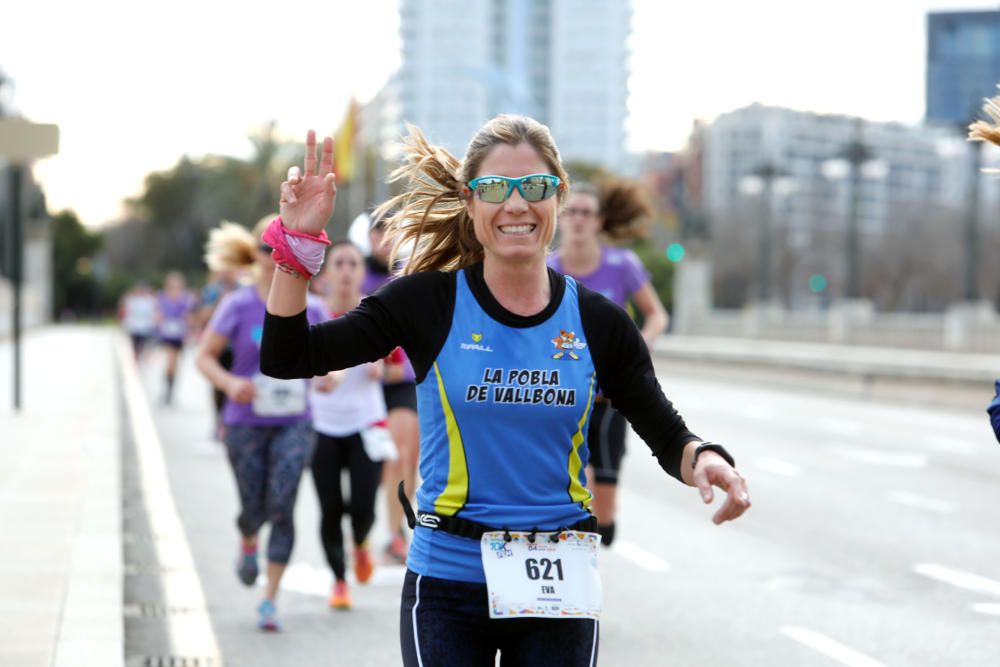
[{"x": 514, "y": 231}]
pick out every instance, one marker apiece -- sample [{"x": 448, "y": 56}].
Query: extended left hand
[{"x": 712, "y": 470}]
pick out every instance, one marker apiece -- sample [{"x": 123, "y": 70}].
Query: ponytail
[{"x": 230, "y": 246}]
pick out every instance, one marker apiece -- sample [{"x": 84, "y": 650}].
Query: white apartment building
[
  {"x": 563, "y": 62},
  {"x": 907, "y": 165}
]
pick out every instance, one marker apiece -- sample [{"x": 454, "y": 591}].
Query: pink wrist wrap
[{"x": 295, "y": 251}]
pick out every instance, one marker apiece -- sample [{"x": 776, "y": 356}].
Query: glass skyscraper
[{"x": 963, "y": 64}]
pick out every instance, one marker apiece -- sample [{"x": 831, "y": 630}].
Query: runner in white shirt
[{"x": 349, "y": 420}]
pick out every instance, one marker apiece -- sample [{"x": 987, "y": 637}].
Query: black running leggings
[{"x": 331, "y": 455}]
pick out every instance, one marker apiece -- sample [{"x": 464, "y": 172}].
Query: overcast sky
[{"x": 134, "y": 85}]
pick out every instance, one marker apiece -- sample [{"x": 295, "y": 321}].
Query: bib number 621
[{"x": 542, "y": 568}]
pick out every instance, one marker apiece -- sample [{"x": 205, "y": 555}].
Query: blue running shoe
[
  {"x": 267, "y": 617},
  {"x": 246, "y": 566}
]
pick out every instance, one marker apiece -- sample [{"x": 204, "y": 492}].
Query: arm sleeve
[
  {"x": 412, "y": 311},
  {"x": 994, "y": 410},
  {"x": 626, "y": 377},
  {"x": 223, "y": 320},
  {"x": 635, "y": 274}
]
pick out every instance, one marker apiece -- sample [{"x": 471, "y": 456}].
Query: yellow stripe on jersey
[
  {"x": 454, "y": 495},
  {"x": 576, "y": 490}
]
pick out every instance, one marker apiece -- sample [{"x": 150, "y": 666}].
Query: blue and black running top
[{"x": 503, "y": 400}]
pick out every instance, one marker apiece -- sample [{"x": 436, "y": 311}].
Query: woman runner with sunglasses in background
[
  {"x": 508, "y": 356},
  {"x": 614, "y": 210},
  {"x": 267, "y": 436}
]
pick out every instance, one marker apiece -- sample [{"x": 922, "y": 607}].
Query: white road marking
[
  {"x": 829, "y": 647},
  {"x": 950, "y": 445},
  {"x": 310, "y": 580},
  {"x": 966, "y": 580},
  {"x": 875, "y": 457},
  {"x": 191, "y": 633},
  {"x": 988, "y": 608},
  {"x": 923, "y": 502},
  {"x": 841, "y": 427},
  {"x": 779, "y": 467},
  {"x": 641, "y": 557},
  {"x": 758, "y": 413}
]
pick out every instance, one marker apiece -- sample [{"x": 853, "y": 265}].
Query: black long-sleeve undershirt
[{"x": 415, "y": 312}]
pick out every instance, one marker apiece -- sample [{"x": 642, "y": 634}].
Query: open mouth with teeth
[{"x": 517, "y": 229}]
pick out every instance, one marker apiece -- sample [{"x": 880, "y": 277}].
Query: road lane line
[
  {"x": 874, "y": 457},
  {"x": 988, "y": 608},
  {"x": 192, "y": 633},
  {"x": 830, "y": 648},
  {"x": 959, "y": 579},
  {"x": 758, "y": 413},
  {"x": 644, "y": 559},
  {"x": 950, "y": 445},
  {"x": 841, "y": 427},
  {"x": 923, "y": 502},
  {"x": 307, "y": 579},
  {"x": 779, "y": 467}
]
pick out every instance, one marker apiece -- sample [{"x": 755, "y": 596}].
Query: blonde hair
[
  {"x": 983, "y": 130},
  {"x": 231, "y": 246},
  {"x": 431, "y": 214}
]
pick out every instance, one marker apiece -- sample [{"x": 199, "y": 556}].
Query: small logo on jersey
[
  {"x": 476, "y": 344},
  {"x": 429, "y": 521},
  {"x": 566, "y": 342}
]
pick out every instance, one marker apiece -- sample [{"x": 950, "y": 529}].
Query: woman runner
[
  {"x": 508, "y": 356},
  {"x": 268, "y": 436},
  {"x": 615, "y": 211}
]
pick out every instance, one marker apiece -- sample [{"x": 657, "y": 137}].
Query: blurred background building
[
  {"x": 564, "y": 62},
  {"x": 963, "y": 63},
  {"x": 804, "y": 181}
]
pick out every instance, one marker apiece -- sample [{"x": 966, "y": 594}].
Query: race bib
[
  {"x": 542, "y": 579},
  {"x": 173, "y": 329},
  {"x": 278, "y": 398}
]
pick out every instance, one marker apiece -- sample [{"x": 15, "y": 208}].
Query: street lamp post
[
  {"x": 855, "y": 162},
  {"x": 21, "y": 142},
  {"x": 970, "y": 284},
  {"x": 856, "y": 154},
  {"x": 761, "y": 180}
]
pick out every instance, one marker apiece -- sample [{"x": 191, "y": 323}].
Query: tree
[{"x": 74, "y": 249}]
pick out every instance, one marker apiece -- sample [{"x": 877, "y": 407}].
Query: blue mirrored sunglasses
[{"x": 533, "y": 187}]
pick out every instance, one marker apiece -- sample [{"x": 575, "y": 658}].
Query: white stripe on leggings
[
  {"x": 416, "y": 637},
  {"x": 593, "y": 647}
]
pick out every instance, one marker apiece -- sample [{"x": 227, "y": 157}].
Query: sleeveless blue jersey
[{"x": 503, "y": 422}]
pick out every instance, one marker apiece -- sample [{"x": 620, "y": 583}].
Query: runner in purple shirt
[
  {"x": 614, "y": 210},
  {"x": 175, "y": 307},
  {"x": 268, "y": 432},
  {"x": 400, "y": 390}
]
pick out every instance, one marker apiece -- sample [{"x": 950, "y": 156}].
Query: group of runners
[{"x": 508, "y": 370}]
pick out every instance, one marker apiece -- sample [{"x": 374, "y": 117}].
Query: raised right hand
[{"x": 308, "y": 196}]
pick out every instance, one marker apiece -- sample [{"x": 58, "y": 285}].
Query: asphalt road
[{"x": 872, "y": 541}]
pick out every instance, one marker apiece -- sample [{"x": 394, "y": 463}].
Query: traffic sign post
[{"x": 20, "y": 142}]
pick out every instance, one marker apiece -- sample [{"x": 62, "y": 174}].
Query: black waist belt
[{"x": 472, "y": 529}]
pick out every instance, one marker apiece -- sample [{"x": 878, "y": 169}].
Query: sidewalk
[{"x": 60, "y": 501}]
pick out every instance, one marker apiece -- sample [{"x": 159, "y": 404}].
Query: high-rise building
[
  {"x": 563, "y": 62},
  {"x": 963, "y": 64}
]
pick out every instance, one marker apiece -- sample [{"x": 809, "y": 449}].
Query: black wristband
[{"x": 714, "y": 447}]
